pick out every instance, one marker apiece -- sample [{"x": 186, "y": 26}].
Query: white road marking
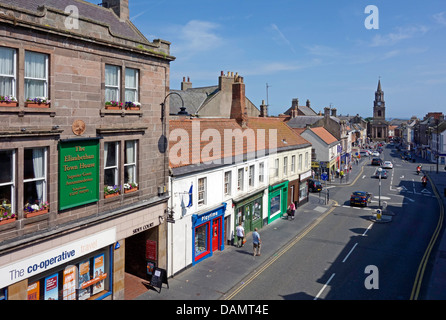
[
  {"x": 368, "y": 228},
  {"x": 348, "y": 254},
  {"x": 323, "y": 288}
]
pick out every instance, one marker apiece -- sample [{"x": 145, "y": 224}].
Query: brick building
[{"x": 82, "y": 182}]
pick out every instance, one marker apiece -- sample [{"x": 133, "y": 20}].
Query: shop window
[
  {"x": 201, "y": 191},
  {"x": 112, "y": 83},
  {"x": 36, "y": 75},
  {"x": 257, "y": 210},
  {"x": 201, "y": 240},
  {"x": 131, "y": 85},
  {"x": 7, "y": 182},
  {"x": 35, "y": 181},
  {"x": 8, "y": 72},
  {"x": 275, "y": 205},
  {"x": 85, "y": 278},
  {"x": 303, "y": 191}
]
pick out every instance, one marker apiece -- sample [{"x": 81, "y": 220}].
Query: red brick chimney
[{"x": 238, "y": 106}]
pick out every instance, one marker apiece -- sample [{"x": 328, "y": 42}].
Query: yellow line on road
[
  {"x": 422, "y": 267},
  {"x": 281, "y": 252}
]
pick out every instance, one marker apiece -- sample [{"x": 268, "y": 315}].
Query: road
[{"x": 348, "y": 256}]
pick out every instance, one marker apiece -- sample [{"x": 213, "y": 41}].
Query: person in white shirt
[{"x": 240, "y": 235}]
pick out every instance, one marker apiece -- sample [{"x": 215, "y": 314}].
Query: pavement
[
  {"x": 220, "y": 276},
  {"x": 436, "y": 279}
]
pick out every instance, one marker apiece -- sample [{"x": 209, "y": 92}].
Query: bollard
[{"x": 378, "y": 214}]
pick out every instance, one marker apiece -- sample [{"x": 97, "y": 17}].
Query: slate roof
[
  {"x": 193, "y": 99},
  {"x": 87, "y": 10},
  {"x": 307, "y": 111}
]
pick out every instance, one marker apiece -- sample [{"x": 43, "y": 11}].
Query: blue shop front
[{"x": 208, "y": 233}]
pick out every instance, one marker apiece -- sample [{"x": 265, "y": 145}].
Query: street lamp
[{"x": 379, "y": 193}]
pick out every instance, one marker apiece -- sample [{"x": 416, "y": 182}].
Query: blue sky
[{"x": 316, "y": 50}]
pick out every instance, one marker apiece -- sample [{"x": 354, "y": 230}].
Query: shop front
[
  {"x": 249, "y": 212},
  {"x": 78, "y": 270},
  {"x": 277, "y": 200},
  {"x": 207, "y": 233},
  {"x": 303, "y": 187}
]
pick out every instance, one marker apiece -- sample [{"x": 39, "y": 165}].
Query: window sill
[
  {"x": 122, "y": 112},
  {"x": 22, "y": 110}
]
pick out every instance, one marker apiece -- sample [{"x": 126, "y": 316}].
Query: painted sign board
[{"x": 78, "y": 172}]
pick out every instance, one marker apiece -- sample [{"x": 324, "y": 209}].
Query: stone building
[
  {"x": 83, "y": 174},
  {"x": 378, "y": 129}
]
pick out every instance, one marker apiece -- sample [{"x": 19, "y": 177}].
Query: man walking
[
  {"x": 256, "y": 243},
  {"x": 240, "y": 235}
]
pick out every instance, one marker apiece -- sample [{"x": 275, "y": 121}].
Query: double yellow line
[
  {"x": 422, "y": 267},
  {"x": 280, "y": 253}
]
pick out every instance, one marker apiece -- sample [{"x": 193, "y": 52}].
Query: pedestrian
[
  {"x": 341, "y": 174},
  {"x": 291, "y": 210},
  {"x": 240, "y": 235},
  {"x": 256, "y": 243}
]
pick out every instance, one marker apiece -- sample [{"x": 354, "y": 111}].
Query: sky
[{"x": 330, "y": 52}]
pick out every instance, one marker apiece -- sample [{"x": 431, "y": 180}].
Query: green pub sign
[{"x": 78, "y": 172}]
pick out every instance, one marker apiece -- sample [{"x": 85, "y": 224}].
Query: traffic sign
[{"x": 324, "y": 176}]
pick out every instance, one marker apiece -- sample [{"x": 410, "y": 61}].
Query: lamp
[
  {"x": 182, "y": 108},
  {"x": 379, "y": 194}
]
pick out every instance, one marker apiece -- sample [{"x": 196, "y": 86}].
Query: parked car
[
  {"x": 387, "y": 165},
  {"x": 376, "y": 162},
  {"x": 314, "y": 185},
  {"x": 382, "y": 173},
  {"x": 361, "y": 198}
]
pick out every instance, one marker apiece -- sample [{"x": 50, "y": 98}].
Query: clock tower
[
  {"x": 379, "y": 105},
  {"x": 378, "y": 129}
]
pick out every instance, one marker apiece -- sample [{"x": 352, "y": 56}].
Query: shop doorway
[
  {"x": 216, "y": 234},
  {"x": 140, "y": 250}
]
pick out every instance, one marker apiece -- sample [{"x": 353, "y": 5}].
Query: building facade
[
  {"x": 83, "y": 175},
  {"x": 379, "y": 127}
]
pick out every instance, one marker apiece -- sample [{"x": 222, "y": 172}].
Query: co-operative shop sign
[{"x": 23, "y": 269}]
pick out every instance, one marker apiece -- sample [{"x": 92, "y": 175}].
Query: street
[{"x": 348, "y": 256}]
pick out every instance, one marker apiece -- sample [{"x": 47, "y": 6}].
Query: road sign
[{"x": 324, "y": 176}]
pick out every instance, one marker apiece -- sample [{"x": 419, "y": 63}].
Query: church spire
[{"x": 379, "y": 85}]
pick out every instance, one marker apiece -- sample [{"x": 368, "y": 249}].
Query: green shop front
[
  {"x": 277, "y": 200},
  {"x": 249, "y": 211}
]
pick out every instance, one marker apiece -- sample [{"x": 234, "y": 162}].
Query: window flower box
[
  {"x": 36, "y": 213},
  {"x": 130, "y": 187},
  {"x": 39, "y": 102},
  {"x": 129, "y": 105},
  {"x": 113, "y": 105},
  {"x": 36, "y": 209},
  {"x": 111, "y": 191},
  {"x": 6, "y": 216},
  {"x": 8, "y": 101},
  {"x": 7, "y": 220}
]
